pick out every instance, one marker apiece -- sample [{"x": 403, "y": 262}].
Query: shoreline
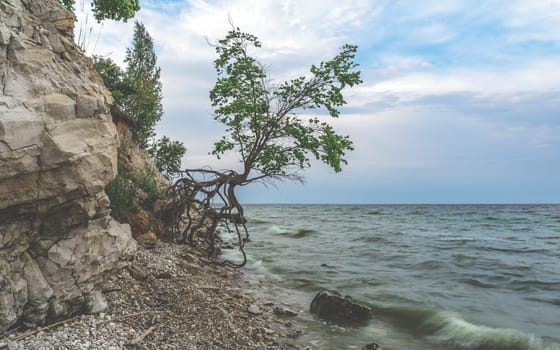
[{"x": 175, "y": 300}]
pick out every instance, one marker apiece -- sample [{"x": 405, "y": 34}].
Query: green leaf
[{"x": 262, "y": 119}]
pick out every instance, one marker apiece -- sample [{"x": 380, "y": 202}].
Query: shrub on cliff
[
  {"x": 118, "y": 10},
  {"x": 167, "y": 155},
  {"x": 136, "y": 91},
  {"x": 113, "y": 78},
  {"x": 132, "y": 190},
  {"x": 137, "y": 94}
]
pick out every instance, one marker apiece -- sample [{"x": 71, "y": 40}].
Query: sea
[{"x": 460, "y": 277}]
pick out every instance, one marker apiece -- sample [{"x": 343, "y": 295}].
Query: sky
[{"x": 459, "y": 103}]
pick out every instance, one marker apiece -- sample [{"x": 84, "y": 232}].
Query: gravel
[{"x": 179, "y": 302}]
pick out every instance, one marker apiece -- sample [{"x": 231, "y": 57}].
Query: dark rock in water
[
  {"x": 295, "y": 334},
  {"x": 332, "y": 306},
  {"x": 371, "y": 346}
]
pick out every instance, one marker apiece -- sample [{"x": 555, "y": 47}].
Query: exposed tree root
[{"x": 199, "y": 201}]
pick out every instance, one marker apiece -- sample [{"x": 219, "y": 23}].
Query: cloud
[
  {"x": 453, "y": 94},
  {"x": 528, "y": 14},
  {"x": 527, "y": 94}
]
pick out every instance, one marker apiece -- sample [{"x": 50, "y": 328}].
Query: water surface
[{"x": 473, "y": 277}]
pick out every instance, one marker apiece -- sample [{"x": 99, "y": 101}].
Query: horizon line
[{"x": 405, "y": 203}]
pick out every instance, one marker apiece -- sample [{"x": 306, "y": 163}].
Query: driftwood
[
  {"x": 7, "y": 333},
  {"x": 141, "y": 337},
  {"x": 40, "y": 329},
  {"x": 120, "y": 318}
]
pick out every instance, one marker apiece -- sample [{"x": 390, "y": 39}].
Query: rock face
[
  {"x": 58, "y": 149},
  {"x": 332, "y": 306}
]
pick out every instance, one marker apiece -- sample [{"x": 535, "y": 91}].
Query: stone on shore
[
  {"x": 148, "y": 240},
  {"x": 282, "y": 311},
  {"x": 254, "y": 309},
  {"x": 331, "y": 306}
]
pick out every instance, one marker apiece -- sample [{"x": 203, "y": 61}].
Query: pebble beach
[{"x": 171, "y": 298}]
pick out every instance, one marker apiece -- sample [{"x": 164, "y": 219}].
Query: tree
[
  {"x": 143, "y": 102},
  {"x": 136, "y": 90},
  {"x": 262, "y": 120},
  {"x": 167, "y": 155},
  {"x": 113, "y": 78},
  {"x": 69, "y": 4},
  {"x": 137, "y": 94},
  {"x": 118, "y": 10},
  {"x": 265, "y": 126}
]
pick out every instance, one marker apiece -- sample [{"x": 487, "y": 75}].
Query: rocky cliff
[{"x": 58, "y": 150}]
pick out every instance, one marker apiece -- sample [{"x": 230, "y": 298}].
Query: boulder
[
  {"x": 331, "y": 306},
  {"x": 58, "y": 151},
  {"x": 147, "y": 240}
]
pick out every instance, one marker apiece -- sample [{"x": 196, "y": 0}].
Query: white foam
[{"x": 458, "y": 332}]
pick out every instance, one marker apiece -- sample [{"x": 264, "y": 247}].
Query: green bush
[
  {"x": 146, "y": 182},
  {"x": 121, "y": 192},
  {"x": 129, "y": 192},
  {"x": 167, "y": 155}
]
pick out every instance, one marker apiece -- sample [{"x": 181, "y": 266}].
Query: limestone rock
[
  {"x": 58, "y": 151},
  {"x": 332, "y": 306},
  {"x": 97, "y": 302}
]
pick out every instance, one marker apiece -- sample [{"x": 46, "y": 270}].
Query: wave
[
  {"x": 459, "y": 333},
  {"x": 370, "y": 239},
  {"x": 463, "y": 258},
  {"x": 277, "y": 230},
  {"x": 304, "y": 233},
  {"x": 430, "y": 264},
  {"x": 534, "y": 284},
  {"x": 477, "y": 283},
  {"x": 517, "y": 250},
  {"x": 450, "y": 329},
  {"x": 546, "y": 300},
  {"x": 258, "y": 221},
  {"x": 510, "y": 281},
  {"x": 299, "y": 233}
]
